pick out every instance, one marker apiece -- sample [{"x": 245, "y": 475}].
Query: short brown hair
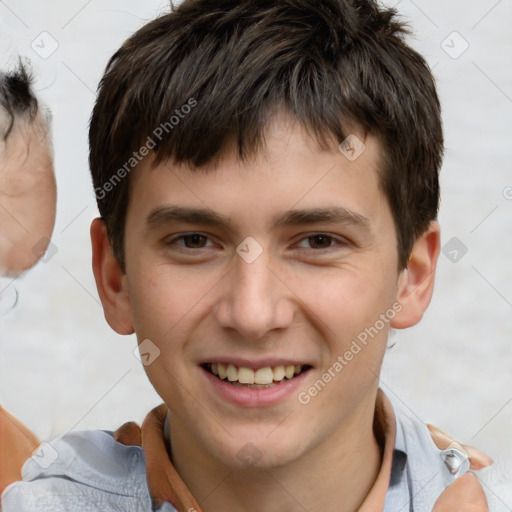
[{"x": 330, "y": 64}]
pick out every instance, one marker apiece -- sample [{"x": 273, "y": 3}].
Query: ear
[
  {"x": 110, "y": 281},
  {"x": 416, "y": 282}
]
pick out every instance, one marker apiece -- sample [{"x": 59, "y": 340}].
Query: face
[
  {"x": 27, "y": 194},
  {"x": 273, "y": 267}
]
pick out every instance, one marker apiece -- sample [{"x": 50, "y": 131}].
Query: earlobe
[
  {"x": 110, "y": 281},
  {"x": 416, "y": 282}
]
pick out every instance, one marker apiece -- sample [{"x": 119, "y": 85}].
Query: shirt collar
[{"x": 165, "y": 484}]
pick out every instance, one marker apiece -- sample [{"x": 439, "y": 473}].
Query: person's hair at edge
[
  {"x": 17, "y": 100},
  {"x": 332, "y": 65},
  {"x": 27, "y": 181}
]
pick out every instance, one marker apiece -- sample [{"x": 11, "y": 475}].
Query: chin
[{"x": 257, "y": 452}]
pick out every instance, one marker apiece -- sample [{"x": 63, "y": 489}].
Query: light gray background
[{"x": 62, "y": 367}]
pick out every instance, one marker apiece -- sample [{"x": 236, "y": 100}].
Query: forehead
[{"x": 291, "y": 172}]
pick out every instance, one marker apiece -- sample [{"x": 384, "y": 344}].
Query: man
[
  {"x": 27, "y": 182},
  {"x": 27, "y": 216},
  {"x": 267, "y": 176}
]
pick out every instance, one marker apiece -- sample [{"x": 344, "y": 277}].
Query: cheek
[
  {"x": 165, "y": 302},
  {"x": 346, "y": 310},
  {"x": 345, "y": 299},
  {"x": 160, "y": 319}
]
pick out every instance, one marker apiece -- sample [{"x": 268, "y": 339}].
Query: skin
[
  {"x": 464, "y": 495},
  {"x": 302, "y": 299},
  {"x": 27, "y": 216},
  {"x": 27, "y": 194}
]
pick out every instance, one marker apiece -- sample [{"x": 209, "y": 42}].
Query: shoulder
[
  {"x": 79, "y": 471},
  {"x": 422, "y": 471},
  {"x": 16, "y": 444}
]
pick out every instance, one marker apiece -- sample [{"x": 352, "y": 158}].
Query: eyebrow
[{"x": 330, "y": 215}]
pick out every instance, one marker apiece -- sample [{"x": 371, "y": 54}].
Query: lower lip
[{"x": 251, "y": 397}]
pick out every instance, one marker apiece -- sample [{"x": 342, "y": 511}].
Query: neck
[{"x": 335, "y": 475}]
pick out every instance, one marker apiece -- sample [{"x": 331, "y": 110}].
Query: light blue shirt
[{"x": 88, "y": 471}]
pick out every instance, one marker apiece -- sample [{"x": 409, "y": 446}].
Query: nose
[{"x": 254, "y": 299}]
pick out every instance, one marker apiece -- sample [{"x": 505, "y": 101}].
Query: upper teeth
[{"x": 265, "y": 375}]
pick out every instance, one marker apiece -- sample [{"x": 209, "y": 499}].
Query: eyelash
[{"x": 340, "y": 241}]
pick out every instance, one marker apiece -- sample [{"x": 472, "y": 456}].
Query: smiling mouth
[{"x": 258, "y": 378}]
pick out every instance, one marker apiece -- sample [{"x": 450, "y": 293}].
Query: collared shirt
[{"x": 90, "y": 471}]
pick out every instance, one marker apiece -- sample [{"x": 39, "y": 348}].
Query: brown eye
[
  {"x": 194, "y": 241},
  {"x": 320, "y": 241},
  {"x": 188, "y": 241}
]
